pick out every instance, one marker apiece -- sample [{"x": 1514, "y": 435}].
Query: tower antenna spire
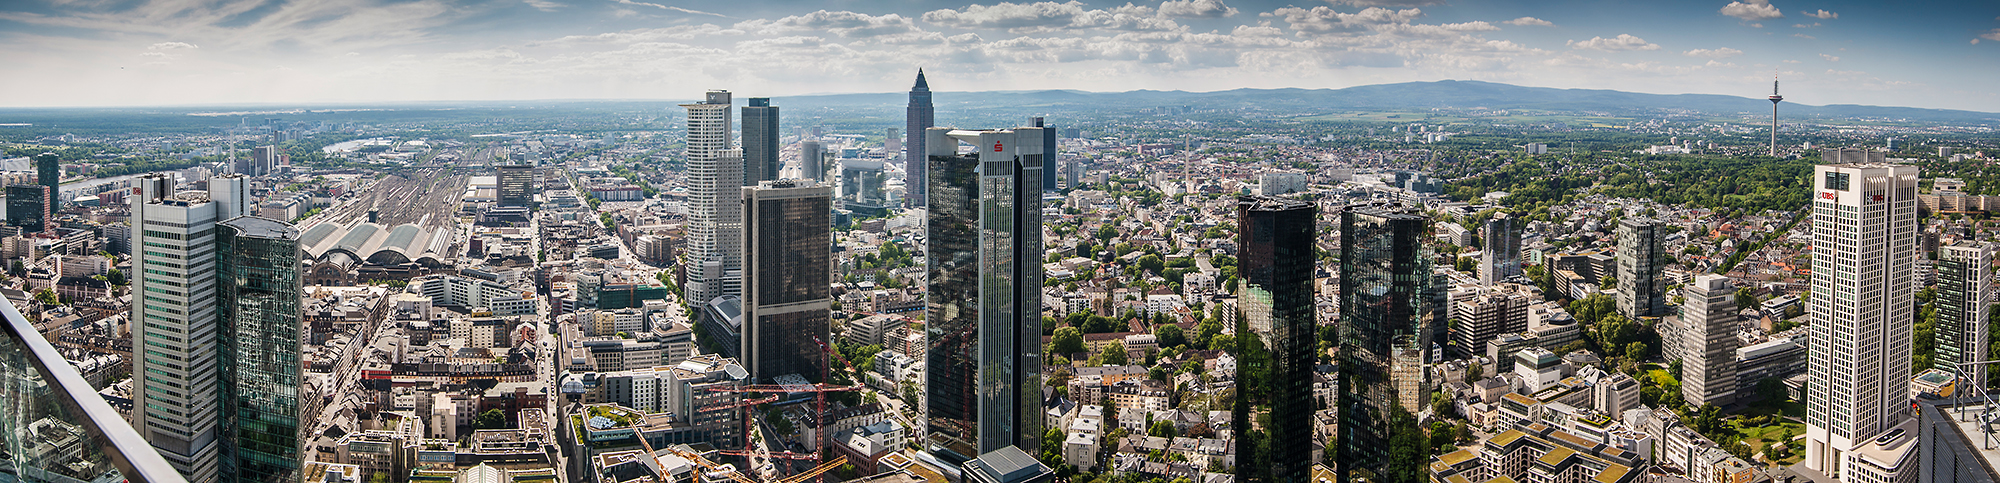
[{"x": 1775, "y": 99}]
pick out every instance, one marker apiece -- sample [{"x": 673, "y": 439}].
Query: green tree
[
  {"x": 1465, "y": 264},
  {"x": 1052, "y": 445},
  {"x": 1152, "y": 263},
  {"x": 1163, "y": 429},
  {"x": 1114, "y": 353},
  {"x": 115, "y": 277},
  {"x": 47, "y": 297},
  {"x": 1635, "y": 351},
  {"x": 1067, "y": 340},
  {"x": 1746, "y": 297},
  {"x": 491, "y": 419},
  {"x": 1169, "y": 335}
]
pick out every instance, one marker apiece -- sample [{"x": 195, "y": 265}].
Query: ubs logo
[{"x": 1828, "y": 195}]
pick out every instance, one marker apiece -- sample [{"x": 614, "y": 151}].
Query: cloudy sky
[{"x": 170, "y": 52}]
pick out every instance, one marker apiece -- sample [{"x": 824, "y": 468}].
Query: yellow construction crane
[{"x": 738, "y": 477}]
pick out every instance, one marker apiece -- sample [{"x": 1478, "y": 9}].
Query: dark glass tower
[
  {"x": 1641, "y": 259},
  {"x": 1385, "y": 326},
  {"x": 257, "y": 264},
  {"x": 760, "y": 141},
  {"x": 1277, "y": 266},
  {"x": 984, "y": 307},
  {"x": 48, "y": 171},
  {"x": 788, "y": 245},
  {"x": 28, "y": 207},
  {"x": 1049, "y": 143},
  {"x": 919, "y": 117}
]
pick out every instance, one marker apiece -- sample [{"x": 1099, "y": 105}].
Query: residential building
[
  {"x": 1709, "y": 341},
  {"x": 984, "y": 360},
  {"x": 1964, "y": 291},
  {"x": 1641, "y": 256},
  {"x": 1485, "y": 314},
  {"x": 714, "y": 208}
]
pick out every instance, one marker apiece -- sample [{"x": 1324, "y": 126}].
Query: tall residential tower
[
  {"x": 1965, "y": 281},
  {"x": 1641, "y": 258},
  {"x": 1501, "y": 257},
  {"x": 1864, "y": 225},
  {"x": 714, "y": 206},
  {"x": 984, "y": 364},
  {"x": 1709, "y": 341}
]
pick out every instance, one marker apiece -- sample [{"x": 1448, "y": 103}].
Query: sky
[{"x": 205, "y": 52}]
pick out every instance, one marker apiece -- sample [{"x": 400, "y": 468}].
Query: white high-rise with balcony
[
  {"x": 715, "y": 206},
  {"x": 1864, "y": 226}
]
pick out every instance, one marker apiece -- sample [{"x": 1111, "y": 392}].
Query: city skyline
[{"x": 1932, "y": 55}]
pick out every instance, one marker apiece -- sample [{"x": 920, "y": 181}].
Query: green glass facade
[
  {"x": 259, "y": 313},
  {"x": 1276, "y": 259}
]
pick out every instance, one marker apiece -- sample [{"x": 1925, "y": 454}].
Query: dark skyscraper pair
[{"x": 984, "y": 374}]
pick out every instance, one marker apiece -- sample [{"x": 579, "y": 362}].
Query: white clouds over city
[{"x": 245, "y": 51}]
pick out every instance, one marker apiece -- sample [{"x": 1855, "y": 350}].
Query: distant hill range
[{"x": 1406, "y": 96}]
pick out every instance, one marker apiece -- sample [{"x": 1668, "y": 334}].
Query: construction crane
[
  {"x": 737, "y": 477},
  {"x": 704, "y": 463},
  {"x": 748, "y": 406},
  {"x": 819, "y": 403}
]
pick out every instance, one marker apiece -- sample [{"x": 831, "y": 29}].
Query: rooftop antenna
[{"x": 1775, "y": 99}]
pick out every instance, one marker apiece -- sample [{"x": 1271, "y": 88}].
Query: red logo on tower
[
  {"x": 1828, "y": 195},
  {"x": 996, "y": 146}
]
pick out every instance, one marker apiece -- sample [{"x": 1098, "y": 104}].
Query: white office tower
[
  {"x": 1501, "y": 257},
  {"x": 1965, "y": 279},
  {"x": 174, "y": 332},
  {"x": 1864, "y": 225},
  {"x": 1709, "y": 342},
  {"x": 715, "y": 202}
]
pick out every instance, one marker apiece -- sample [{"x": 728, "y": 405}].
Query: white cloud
[
  {"x": 1753, "y": 10},
  {"x": 1385, "y": 3},
  {"x": 544, "y": 5},
  {"x": 1529, "y": 21},
  {"x": 1829, "y": 58},
  {"x": 1327, "y": 20},
  {"x": 844, "y": 24},
  {"x": 1805, "y": 26},
  {"x": 1196, "y": 9},
  {"x": 1716, "y": 53},
  {"x": 1804, "y": 36},
  {"x": 1993, "y": 35},
  {"x": 669, "y": 7},
  {"x": 1614, "y": 44},
  {"x": 1049, "y": 16},
  {"x": 171, "y": 46},
  {"x": 1822, "y": 14}
]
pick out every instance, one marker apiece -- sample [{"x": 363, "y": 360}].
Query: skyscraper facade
[
  {"x": 760, "y": 141},
  {"x": 177, "y": 396},
  {"x": 1708, "y": 341},
  {"x": 258, "y": 309},
  {"x": 1276, "y": 258},
  {"x": 28, "y": 207},
  {"x": 48, "y": 172},
  {"x": 984, "y": 360},
  {"x": 919, "y": 117},
  {"x": 1048, "y": 162},
  {"x": 1500, "y": 259},
  {"x": 1385, "y": 328},
  {"x": 1965, "y": 278},
  {"x": 788, "y": 241},
  {"x": 1864, "y": 224},
  {"x": 1641, "y": 261},
  {"x": 714, "y": 206},
  {"x": 812, "y": 160},
  {"x": 515, "y": 183}
]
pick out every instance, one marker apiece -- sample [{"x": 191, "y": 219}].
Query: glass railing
[{"x": 54, "y": 427}]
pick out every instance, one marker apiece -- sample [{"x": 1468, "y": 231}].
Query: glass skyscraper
[
  {"x": 1642, "y": 258},
  {"x": 788, "y": 247},
  {"x": 1385, "y": 327},
  {"x": 28, "y": 207},
  {"x": 918, "y": 117},
  {"x": 760, "y": 141},
  {"x": 1277, "y": 261},
  {"x": 984, "y": 305},
  {"x": 259, "y": 312}
]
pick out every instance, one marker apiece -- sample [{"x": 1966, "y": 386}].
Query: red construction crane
[{"x": 819, "y": 402}]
